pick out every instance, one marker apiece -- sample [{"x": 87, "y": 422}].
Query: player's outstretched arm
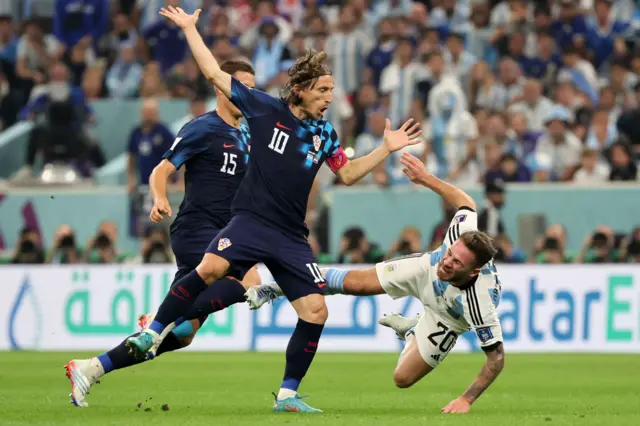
[
  {"x": 207, "y": 63},
  {"x": 394, "y": 140},
  {"x": 490, "y": 371},
  {"x": 158, "y": 185},
  {"x": 415, "y": 170}
]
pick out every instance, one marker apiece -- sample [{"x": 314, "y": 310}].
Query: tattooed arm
[{"x": 490, "y": 370}]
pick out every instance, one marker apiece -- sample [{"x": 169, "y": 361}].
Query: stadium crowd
[{"x": 507, "y": 91}]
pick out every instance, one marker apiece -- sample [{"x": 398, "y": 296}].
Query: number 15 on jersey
[{"x": 279, "y": 140}]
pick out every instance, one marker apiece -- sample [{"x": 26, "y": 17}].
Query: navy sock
[
  {"x": 220, "y": 295},
  {"x": 170, "y": 343},
  {"x": 180, "y": 298},
  {"x": 300, "y": 352},
  {"x": 118, "y": 357}
]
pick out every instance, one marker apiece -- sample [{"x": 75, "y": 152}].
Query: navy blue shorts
[
  {"x": 246, "y": 241},
  {"x": 189, "y": 248}
]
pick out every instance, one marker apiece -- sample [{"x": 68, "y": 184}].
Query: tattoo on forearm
[{"x": 490, "y": 370}]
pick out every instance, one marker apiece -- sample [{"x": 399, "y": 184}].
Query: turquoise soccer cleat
[
  {"x": 141, "y": 344},
  {"x": 293, "y": 405}
]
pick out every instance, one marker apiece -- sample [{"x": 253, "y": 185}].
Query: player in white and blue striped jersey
[{"x": 457, "y": 284}]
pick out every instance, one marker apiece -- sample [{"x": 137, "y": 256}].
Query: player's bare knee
[
  {"x": 315, "y": 311},
  {"x": 402, "y": 379},
  {"x": 212, "y": 268}
]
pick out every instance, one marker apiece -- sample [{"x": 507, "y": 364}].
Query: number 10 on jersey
[{"x": 279, "y": 140}]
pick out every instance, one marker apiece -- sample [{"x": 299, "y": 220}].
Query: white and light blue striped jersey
[
  {"x": 347, "y": 53},
  {"x": 399, "y": 83}
]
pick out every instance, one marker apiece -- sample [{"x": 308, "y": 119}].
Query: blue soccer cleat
[
  {"x": 293, "y": 405},
  {"x": 141, "y": 344}
]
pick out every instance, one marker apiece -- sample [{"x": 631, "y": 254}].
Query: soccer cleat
[
  {"x": 82, "y": 376},
  {"x": 401, "y": 325},
  {"x": 261, "y": 294},
  {"x": 293, "y": 405},
  {"x": 141, "y": 343},
  {"x": 145, "y": 320}
]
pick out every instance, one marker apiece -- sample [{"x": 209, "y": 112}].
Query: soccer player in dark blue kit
[
  {"x": 290, "y": 141},
  {"x": 214, "y": 148}
]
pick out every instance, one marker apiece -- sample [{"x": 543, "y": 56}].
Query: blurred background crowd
[{"x": 507, "y": 91}]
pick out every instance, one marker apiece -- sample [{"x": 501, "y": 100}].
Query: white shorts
[{"x": 434, "y": 337}]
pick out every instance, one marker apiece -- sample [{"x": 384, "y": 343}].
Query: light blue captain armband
[{"x": 335, "y": 279}]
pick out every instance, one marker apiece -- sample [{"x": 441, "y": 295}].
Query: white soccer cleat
[
  {"x": 261, "y": 294},
  {"x": 398, "y": 323},
  {"x": 82, "y": 374}
]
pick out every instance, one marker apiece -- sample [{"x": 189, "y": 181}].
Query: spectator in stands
[
  {"x": 399, "y": 80},
  {"x": 452, "y": 133},
  {"x": 348, "y": 48},
  {"x": 264, "y": 9},
  {"x": 79, "y": 58},
  {"x": 382, "y": 54},
  {"x": 366, "y": 102},
  {"x": 630, "y": 252},
  {"x": 598, "y": 247},
  {"x": 570, "y": 28},
  {"x": 439, "y": 231},
  {"x": 623, "y": 168},
  {"x": 602, "y": 133},
  {"x": 408, "y": 242},
  {"x": 186, "y": 81},
  {"x": 64, "y": 249},
  {"x": 489, "y": 218},
  {"x": 434, "y": 66},
  {"x": 147, "y": 144},
  {"x": 28, "y": 248},
  {"x": 560, "y": 145},
  {"x": 533, "y": 105},
  {"x": 513, "y": 170},
  {"x": 103, "y": 247},
  {"x": 623, "y": 82},
  {"x": 92, "y": 83},
  {"x": 152, "y": 85},
  {"x": 122, "y": 33},
  {"x": 458, "y": 61},
  {"x": 478, "y": 39},
  {"x": 125, "y": 75},
  {"x": 451, "y": 17},
  {"x": 629, "y": 123},
  {"x": 592, "y": 171},
  {"x": 604, "y": 33},
  {"x": 75, "y": 20},
  {"x": 580, "y": 72},
  {"x": 369, "y": 140},
  {"x": 356, "y": 248},
  {"x": 167, "y": 44},
  {"x": 510, "y": 83},
  {"x": 484, "y": 91},
  {"x": 520, "y": 133},
  {"x": 8, "y": 46},
  {"x": 36, "y": 51},
  {"x": 268, "y": 52},
  {"x": 546, "y": 62}
]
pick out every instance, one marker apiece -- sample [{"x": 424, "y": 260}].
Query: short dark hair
[
  {"x": 480, "y": 244},
  {"x": 231, "y": 67},
  {"x": 304, "y": 73}
]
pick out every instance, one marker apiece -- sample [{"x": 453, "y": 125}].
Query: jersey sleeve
[
  {"x": 251, "y": 102},
  {"x": 191, "y": 140},
  {"x": 481, "y": 311},
  {"x": 336, "y": 157},
  {"x": 465, "y": 219}
]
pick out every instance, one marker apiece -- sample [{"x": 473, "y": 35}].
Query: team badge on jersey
[
  {"x": 460, "y": 218},
  {"x": 223, "y": 244},
  {"x": 484, "y": 334},
  {"x": 317, "y": 142}
]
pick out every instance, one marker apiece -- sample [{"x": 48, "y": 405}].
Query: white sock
[
  {"x": 97, "y": 370},
  {"x": 286, "y": 393}
]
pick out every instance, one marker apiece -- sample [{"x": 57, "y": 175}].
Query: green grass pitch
[{"x": 353, "y": 389}]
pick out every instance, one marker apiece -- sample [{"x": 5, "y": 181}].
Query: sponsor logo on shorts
[
  {"x": 460, "y": 218},
  {"x": 484, "y": 334},
  {"x": 223, "y": 244},
  {"x": 436, "y": 357},
  {"x": 391, "y": 267}
]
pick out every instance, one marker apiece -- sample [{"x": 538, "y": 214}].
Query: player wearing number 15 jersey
[
  {"x": 457, "y": 284},
  {"x": 290, "y": 142}
]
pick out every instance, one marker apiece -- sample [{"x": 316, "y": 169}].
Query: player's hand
[
  {"x": 180, "y": 17},
  {"x": 460, "y": 405},
  {"x": 414, "y": 169},
  {"x": 406, "y": 135},
  {"x": 159, "y": 209}
]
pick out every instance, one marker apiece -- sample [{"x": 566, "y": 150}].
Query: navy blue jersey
[
  {"x": 286, "y": 155},
  {"x": 216, "y": 156}
]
